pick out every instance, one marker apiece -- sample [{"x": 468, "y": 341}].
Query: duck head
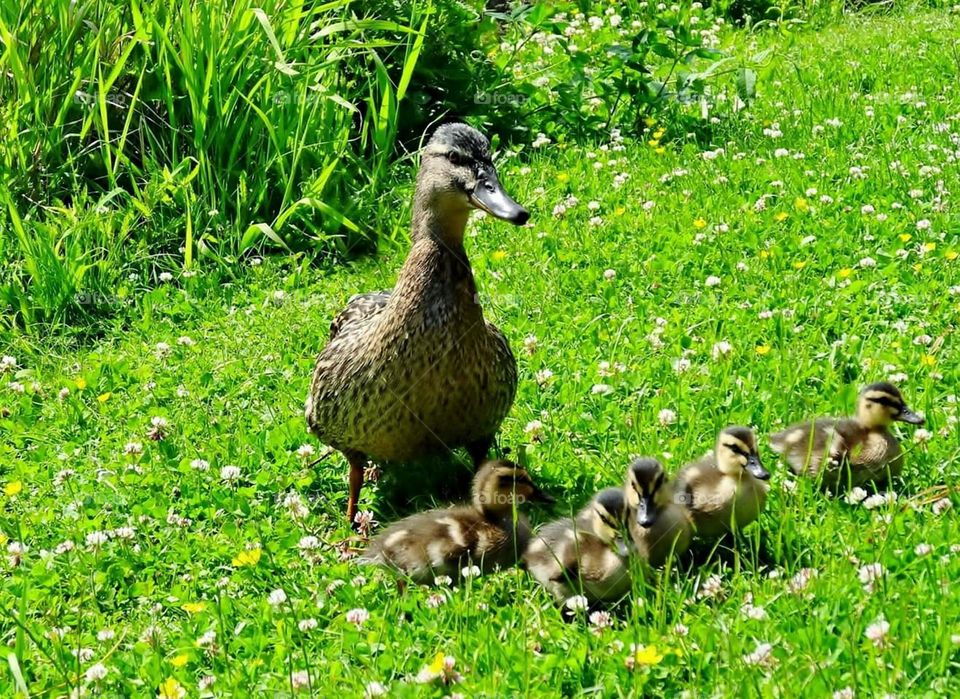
[
  {"x": 736, "y": 452},
  {"x": 604, "y": 517},
  {"x": 457, "y": 174},
  {"x": 501, "y": 485},
  {"x": 644, "y": 490},
  {"x": 881, "y": 403}
]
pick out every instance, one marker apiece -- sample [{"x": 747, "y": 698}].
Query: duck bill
[
  {"x": 908, "y": 416},
  {"x": 646, "y": 512},
  {"x": 490, "y": 196},
  {"x": 539, "y": 496},
  {"x": 756, "y": 469}
]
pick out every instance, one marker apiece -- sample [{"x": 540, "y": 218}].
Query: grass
[{"x": 815, "y": 298}]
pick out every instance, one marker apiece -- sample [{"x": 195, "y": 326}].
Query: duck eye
[{"x": 455, "y": 157}]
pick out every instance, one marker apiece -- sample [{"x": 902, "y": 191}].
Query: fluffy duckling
[
  {"x": 659, "y": 526},
  {"x": 444, "y": 541},
  {"x": 586, "y": 554},
  {"x": 847, "y": 452},
  {"x": 726, "y": 489}
]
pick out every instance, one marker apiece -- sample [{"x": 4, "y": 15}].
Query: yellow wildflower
[
  {"x": 193, "y": 607},
  {"x": 917, "y": 267},
  {"x": 700, "y": 223},
  {"x": 781, "y": 216},
  {"x": 620, "y": 210},
  {"x": 905, "y": 237},
  {"x": 799, "y": 264},
  {"x": 929, "y": 247},
  {"x": 928, "y": 360},
  {"x": 12, "y": 488},
  {"x": 171, "y": 689},
  {"x": 658, "y": 134},
  {"x": 648, "y": 655},
  {"x": 650, "y": 121},
  {"x": 436, "y": 667},
  {"x": 660, "y": 151},
  {"x": 180, "y": 660},
  {"x": 764, "y": 254},
  {"x": 104, "y": 397},
  {"x": 762, "y": 349},
  {"x": 845, "y": 272},
  {"x": 498, "y": 255},
  {"x": 247, "y": 558},
  {"x": 81, "y": 384},
  {"x": 563, "y": 178},
  {"x": 800, "y": 204},
  {"x": 951, "y": 255}
]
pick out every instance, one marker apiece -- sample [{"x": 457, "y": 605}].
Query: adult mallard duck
[
  {"x": 843, "y": 452},
  {"x": 418, "y": 370}
]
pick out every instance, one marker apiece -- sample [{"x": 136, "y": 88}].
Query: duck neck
[{"x": 437, "y": 265}]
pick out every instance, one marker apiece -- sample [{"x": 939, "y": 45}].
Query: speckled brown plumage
[{"x": 418, "y": 370}]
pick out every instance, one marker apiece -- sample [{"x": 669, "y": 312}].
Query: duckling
[
  {"x": 418, "y": 370},
  {"x": 659, "y": 526},
  {"x": 484, "y": 533},
  {"x": 847, "y": 452},
  {"x": 584, "y": 555},
  {"x": 726, "y": 489}
]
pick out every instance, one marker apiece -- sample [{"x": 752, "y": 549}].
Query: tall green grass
[{"x": 270, "y": 120}]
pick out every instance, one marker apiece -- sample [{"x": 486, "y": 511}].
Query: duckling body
[
  {"x": 417, "y": 370},
  {"x": 444, "y": 541},
  {"x": 659, "y": 526},
  {"x": 727, "y": 489},
  {"x": 843, "y": 452},
  {"x": 584, "y": 554}
]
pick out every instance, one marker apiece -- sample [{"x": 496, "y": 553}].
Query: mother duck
[{"x": 417, "y": 370}]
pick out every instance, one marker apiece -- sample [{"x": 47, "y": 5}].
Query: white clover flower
[
  {"x": 922, "y": 549},
  {"x": 856, "y": 496},
  {"x": 307, "y": 625},
  {"x": 721, "y": 349},
  {"x": 229, "y": 474},
  {"x": 666, "y": 417},
  {"x": 207, "y": 639},
  {"x": 712, "y": 281},
  {"x": 845, "y": 693},
  {"x": 443, "y": 581},
  {"x": 106, "y": 635},
  {"x": 870, "y": 574},
  {"x": 305, "y": 451},
  {"x": 470, "y": 571},
  {"x": 95, "y": 673},
  {"x": 530, "y": 344},
  {"x": 877, "y": 632},
  {"x": 96, "y": 539},
  {"x": 534, "y": 430},
  {"x": 200, "y": 465},
  {"x": 277, "y": 597},
  {"x": 299, "y": 679},
  {"x": 374, "y": 689},
  {"x": 577, "y": 603},
  {"x": 941, "y": 506},
  {"x": 610, "y": 274},
  {"x": 601, "y": 389},
  {"x": 762, "y": 656},
  {"x": 601, "y": 619},
  {"x": 922, "y": 435}
]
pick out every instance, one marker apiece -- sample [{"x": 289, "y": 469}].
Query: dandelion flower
[{"x": 171, "y": 689}]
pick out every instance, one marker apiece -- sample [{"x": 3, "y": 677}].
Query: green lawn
[{"x": 812, "y": 249}]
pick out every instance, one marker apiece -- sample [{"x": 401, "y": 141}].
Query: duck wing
[
  {"x": 359, "y": 309},
  {"x": 806, "y": 446}
]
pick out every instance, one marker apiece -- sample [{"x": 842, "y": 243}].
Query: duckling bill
[
  {"x": 416, "y": 371},
  {"x": 848, "y": 452},
  {"x": 484, "y": 533}
]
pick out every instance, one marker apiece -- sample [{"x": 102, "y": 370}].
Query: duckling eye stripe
[{"x": 888, "y": 402}]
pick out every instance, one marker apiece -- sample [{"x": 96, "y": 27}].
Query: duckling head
[
  {"x": 604, "y": 517},
  {"x": 737, "y": 451},
  {"x": 457, "y": 175},
  {"x": 644, "y": 490},
  {"x": 881, "y": 404},
  {"x": 501, "y": 485}
]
